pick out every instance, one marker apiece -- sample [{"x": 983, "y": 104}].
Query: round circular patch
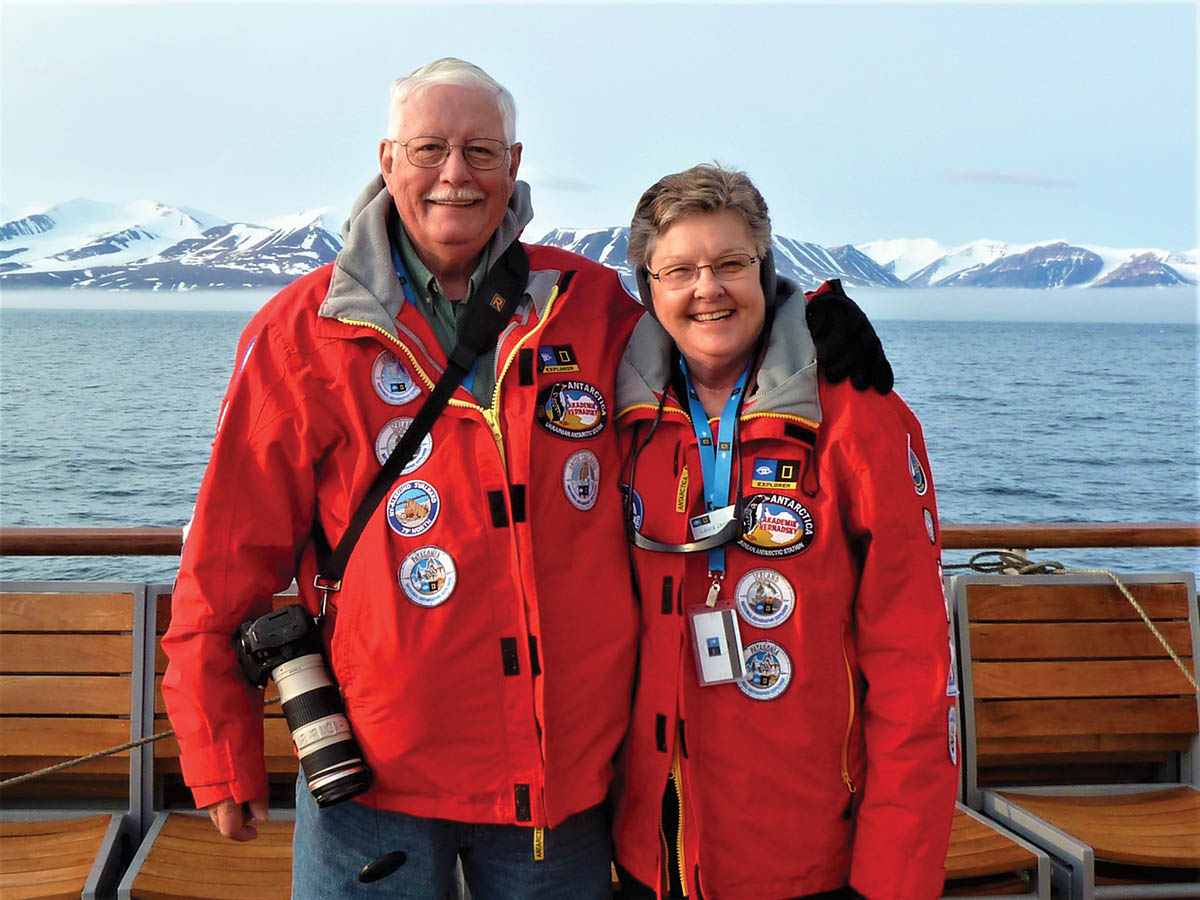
[
  {"x": 636, "y": 510},
  {"x": 581, "y": 479},
  {"x": 768, "y": 671},
  {"x": 572, "y": 409},
  {"x": 392, "y": 381},
  {"x": 389, "y": 436},
  {"x": 776, "y": 525},
  {"x": 413, "y": 508},
  {"x": 920, "y": 482},
  {"x": 428, "y": 576},
  {"x": 930, "y": 527},
  {"x": 764, "y": 598}
]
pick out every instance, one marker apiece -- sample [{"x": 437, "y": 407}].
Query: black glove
[{"x": 846, "y": 343}]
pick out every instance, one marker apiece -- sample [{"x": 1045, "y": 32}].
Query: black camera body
[
  {"x": 286, "y": 645},
  {"x": 281, "y": 635}
]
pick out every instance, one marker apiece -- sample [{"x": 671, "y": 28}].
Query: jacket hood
[
  {"x": 785, "y": 384},
  {"x": 364, "y": 286}
]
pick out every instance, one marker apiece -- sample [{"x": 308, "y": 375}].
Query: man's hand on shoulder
[
  {"x": 847, "y": 345},
  {"x": 232, "y": 820}
]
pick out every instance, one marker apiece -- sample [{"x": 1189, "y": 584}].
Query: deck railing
[{"x": 1026, "y": 536}]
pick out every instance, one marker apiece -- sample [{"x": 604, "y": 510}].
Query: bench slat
[
  {"x": 1076, "y": 640},
  {"x": 73, "y": 654},
  {"x": 64, "y": 695},
  {"x": 54, "y": 612},
  {"x": 1074, "y": 602},
  {"x": 1107, "y": 715},
  {"x": 1079, "y": 678},
  {"x": 54, "y": 737},
  {"x": 976, "y": 850}
]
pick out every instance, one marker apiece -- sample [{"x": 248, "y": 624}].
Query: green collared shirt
[{"x": 444, "y": 314}]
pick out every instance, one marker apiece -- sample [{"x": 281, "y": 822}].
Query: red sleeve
[
  {"x": 902, "y": 639},
  {"x": 253, "y": 512}
]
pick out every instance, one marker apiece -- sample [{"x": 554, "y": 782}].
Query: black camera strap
[{"x": 488, "y": 312}]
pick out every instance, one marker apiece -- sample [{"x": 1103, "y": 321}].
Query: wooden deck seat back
[
  {"x": 68, "y": 667},
  {"x": 282, "y": 764},
  {"x": 1065, "y": 684}
]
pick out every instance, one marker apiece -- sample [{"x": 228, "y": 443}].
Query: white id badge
[
  {"x": 709, "y": 523},
  {"x": 717, "y": 644}
]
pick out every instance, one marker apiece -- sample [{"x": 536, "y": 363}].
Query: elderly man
[{"x": 483, "y": 637}]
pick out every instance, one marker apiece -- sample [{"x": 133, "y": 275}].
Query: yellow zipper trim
[
  {"x": 850, "y": 786},
  {"x": 816, "y": 426},
  {"x": 653, "y": 407},
  {"x": 677, "y": 775}
]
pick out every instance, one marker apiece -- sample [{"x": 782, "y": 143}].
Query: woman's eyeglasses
[{"x": 681, "y": 275}]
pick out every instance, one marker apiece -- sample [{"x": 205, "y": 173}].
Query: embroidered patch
[
  {"x": 681, "y": 492},
  {"x": 636, "y": 510},
  {"x": 764, "y": 598},
  {"x": 392, "y": 381},
  {"x": 768, "y": 671},
  {"x": 389, "y": 436},
  {"x": 572, "y": 409},
  {"x": 413, "y": 508},
  {"x": 776, "y": 474},
  {"x": 952, "y": 733},
  {"x": 930, "y": 527},
  {"x": 557, "y": 359},
  {"x": 920, "y": 482},
  {"x": 581, "y": 479},
  {"x": 428, "y": 576},
  {"x": 776, "y": 525}
]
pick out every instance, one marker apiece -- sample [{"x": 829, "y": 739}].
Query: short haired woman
[{"x": 794, "y": 727}]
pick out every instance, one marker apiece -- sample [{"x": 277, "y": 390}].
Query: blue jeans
[{"x": 331, "y": 845}]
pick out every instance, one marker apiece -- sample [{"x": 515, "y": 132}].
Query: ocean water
[{"x": 106, "y": 416}]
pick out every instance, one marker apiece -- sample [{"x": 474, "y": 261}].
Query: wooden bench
[
  {"x": 70, "y": 658},
  {"x": 182, "y": 855},
  {"x": 1081, "y": 734}
]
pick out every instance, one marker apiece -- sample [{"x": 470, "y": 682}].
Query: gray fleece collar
[
  {"x": 364, "y": 287},
  {"x": 786, "y": 382}
]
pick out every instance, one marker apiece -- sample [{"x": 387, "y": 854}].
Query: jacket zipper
[
  {"x": 849, "y": 782},
  {"x": 675, "y": 865}
]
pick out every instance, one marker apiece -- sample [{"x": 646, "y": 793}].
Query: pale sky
[{"x": 956, "y": 121}]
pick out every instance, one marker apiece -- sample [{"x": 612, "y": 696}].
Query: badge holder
[{"x": 717, "y": 644}]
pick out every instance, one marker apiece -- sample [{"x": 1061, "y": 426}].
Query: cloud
[{"x": 982, "y": 177}]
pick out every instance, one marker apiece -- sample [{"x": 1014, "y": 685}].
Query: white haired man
[{"x": 488, "y": 701}]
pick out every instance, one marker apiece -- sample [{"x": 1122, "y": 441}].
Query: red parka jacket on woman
[
  {"x": 836, "y": 762},
  {"x": 495, "y": 690}
]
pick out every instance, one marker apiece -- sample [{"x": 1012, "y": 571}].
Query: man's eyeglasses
[
  {"x": 429, "y": 151},
  {"x": 681, "y": 275}
]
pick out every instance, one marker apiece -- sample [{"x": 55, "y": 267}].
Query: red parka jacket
[
  {"x": 497, "y": 689},
  {"x": 836, "y": 762}
]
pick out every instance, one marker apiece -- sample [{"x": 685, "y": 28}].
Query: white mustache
[{"x": 457, "y": 195}]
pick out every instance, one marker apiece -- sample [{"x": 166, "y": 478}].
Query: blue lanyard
[
  {"x": 716, "y": 462},
  {"x": 410, "y": 297}
]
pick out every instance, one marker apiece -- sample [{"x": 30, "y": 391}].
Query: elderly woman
[{"x": 793, "y": 729}]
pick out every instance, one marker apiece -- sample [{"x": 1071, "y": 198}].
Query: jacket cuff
[{"x": 213, "y": 777}]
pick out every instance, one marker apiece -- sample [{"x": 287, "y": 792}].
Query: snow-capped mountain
[
  {"x": 82, "y": 243},
  {"x": 922, "y": 262}
]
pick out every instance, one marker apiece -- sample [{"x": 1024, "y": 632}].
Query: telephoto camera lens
[{"x": 285, "y": 644}]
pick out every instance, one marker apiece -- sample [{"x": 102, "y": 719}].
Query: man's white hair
[{"x": 449, "y": 70}]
